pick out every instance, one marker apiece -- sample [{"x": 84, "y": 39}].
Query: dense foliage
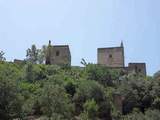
[{"x": 52, "y": 92}]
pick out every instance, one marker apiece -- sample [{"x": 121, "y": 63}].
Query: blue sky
[{"x": 85, "y": 25}]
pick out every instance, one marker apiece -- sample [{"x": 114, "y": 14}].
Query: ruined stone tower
[
  {"x": 137, "y": 68},
  {"x": 112, "y": 56},
  {"x": 58, "y": 54}
]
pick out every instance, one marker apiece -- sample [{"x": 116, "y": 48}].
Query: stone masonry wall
[
  {"x": 60, "y": 55},
  {"x": 111, "y": 57}
]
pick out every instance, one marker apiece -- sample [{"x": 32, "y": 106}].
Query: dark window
[
  {"x": 57, "y": 53},
  {"x": 139, "y": 70},
  {"x": 110, "y": 56}
]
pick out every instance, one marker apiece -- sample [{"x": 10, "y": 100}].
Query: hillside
[{"x": 64, "y": 93}]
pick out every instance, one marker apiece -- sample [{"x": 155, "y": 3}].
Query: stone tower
[
  {"x": 58, "y": 54},
  {"x": 112, "y": 56},
  {"x": 139, "y": 68}
]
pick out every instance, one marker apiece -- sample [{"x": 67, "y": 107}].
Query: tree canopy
[{"x": 54, "y": 92}]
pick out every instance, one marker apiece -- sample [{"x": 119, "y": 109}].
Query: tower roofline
[
  {"x": 109, "y": 48},
  {"x": 60, "y": 45}
]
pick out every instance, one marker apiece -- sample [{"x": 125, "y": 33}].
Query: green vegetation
[
  {"x": 2, "y": 58},
  {"x": 35, "y": 55},
  {"x": 65, "y": 93},
  {"x": 52, "y": 92}
]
